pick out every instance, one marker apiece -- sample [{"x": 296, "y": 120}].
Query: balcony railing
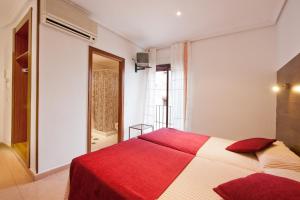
[{"x": 161, "y": 116}]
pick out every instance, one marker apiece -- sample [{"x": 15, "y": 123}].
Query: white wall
[
  {"x": 229, "y": 84},
  {"x": 231, "y": 79},
  {"x": 163, "y": 56},
  {"x": 2, "y": 86},
  {"x": 64, "y": 92},
  {"x": 6, "y": 42},
  {"x": 5, "y": 87},
  {"x": 288, "y": 32}
]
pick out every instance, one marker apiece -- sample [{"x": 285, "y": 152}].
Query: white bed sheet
[
  {"x": 214, "y": 149},
  {"x": 199, "y": 178},
  {"x": 290, "y": 174}
]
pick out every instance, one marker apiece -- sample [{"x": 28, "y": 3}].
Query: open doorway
[
  {"x": 21, "y": 88},
  {"x": 105, "y": 99},
  {"x": 161, "y": 96}
]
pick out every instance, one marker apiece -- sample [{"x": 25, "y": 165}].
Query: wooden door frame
[
  {"x": 25, "y": 19},
  {"x": 93, "y": 50}
]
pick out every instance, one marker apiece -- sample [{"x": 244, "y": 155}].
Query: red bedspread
[
  {"x": 180, "y": 140},
  {"x": 135, "y": 169}
]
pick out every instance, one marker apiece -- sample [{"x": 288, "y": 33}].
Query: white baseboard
[{"x": 50, "y": 172}]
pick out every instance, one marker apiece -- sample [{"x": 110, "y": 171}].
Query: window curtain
[
  {"x": 149, "y": 116},
  {"x": 188, "y": 85},
  {"x": 178, "y": 87}
]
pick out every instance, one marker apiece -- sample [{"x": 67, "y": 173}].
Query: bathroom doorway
[{"x": 105, "y": 99}]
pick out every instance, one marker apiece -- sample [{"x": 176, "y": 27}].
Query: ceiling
[
  {"x": 9, "y": 10},
  {"x": 154, "y": 23}
]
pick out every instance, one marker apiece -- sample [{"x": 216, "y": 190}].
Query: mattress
[
  {"x": 199, "y": 178},
  {"x": 214, "y": 149}
]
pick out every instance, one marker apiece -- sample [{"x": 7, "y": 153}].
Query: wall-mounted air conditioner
[
  {"x": 141, "y": 61},
  {"x": 68, "y": 17}
]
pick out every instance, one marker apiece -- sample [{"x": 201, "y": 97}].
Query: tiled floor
[
  {"x": 100, "y": 141},
  {"x": 21, "y": 149},
  {"x": 12, "y": 172},
  {"x": 16, "y": 184}
]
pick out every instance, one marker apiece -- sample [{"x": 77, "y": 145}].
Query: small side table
[{"x": 141, "y": 128}]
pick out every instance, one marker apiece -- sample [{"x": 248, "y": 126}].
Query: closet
[{"x": 21, "y": 84}]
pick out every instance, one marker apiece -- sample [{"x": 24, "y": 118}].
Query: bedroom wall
[
  {"x": 231, "y": 80},
  {"x": 6, "y": 66},
  {"x": 2, "y": 87},
  {"x": 21, "y": 9},
  {"x": 288, "y": 33},
  {"x": 64, "y": 90},
  {"x": 163, "y": 56}
]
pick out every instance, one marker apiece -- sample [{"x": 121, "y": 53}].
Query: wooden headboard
[{"x": 288, "y": 106}]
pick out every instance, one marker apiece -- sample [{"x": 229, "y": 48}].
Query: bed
[{"x": 166, "y": 164}]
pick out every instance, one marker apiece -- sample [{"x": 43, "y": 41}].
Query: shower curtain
[{"x": 105, "y": 100}]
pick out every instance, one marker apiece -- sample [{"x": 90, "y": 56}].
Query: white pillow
[{"x": 279, "y": 156}]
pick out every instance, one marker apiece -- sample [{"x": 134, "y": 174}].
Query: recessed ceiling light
[{"x": 178, "y": 13}]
